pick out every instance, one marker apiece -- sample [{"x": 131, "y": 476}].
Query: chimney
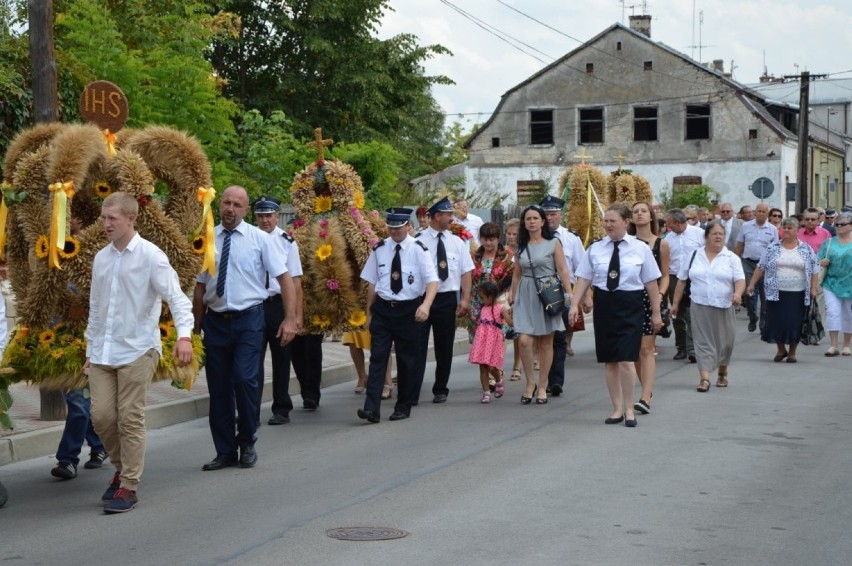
[
  {"x": 719, "y": 65},
  {"x": 641, "y": 24}
]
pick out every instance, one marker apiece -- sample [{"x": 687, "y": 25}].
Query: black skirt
[
  {"x": 618, "y": 317},
  {"x": 784, "y": 318}
]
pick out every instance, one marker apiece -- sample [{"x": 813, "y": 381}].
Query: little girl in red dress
[{"x": 488, "y": 349}]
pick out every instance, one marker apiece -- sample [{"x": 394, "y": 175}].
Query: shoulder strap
[
  {"x": 690, "y": 263},
  {"x": 656, "y": 248},
  {"x": 422, "y": 245}
]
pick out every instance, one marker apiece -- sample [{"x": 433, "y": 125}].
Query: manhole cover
[{"x": 366, "y": 533}]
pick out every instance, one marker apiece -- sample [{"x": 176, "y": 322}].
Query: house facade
[{"x": 622, "y": 98}]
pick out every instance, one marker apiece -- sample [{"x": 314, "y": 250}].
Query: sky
[{"x": 791, "y": 35}]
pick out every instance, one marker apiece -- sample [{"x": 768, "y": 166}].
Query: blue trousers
[
  {"x": 78, "y": 427},
  {"x": 233, "y": 344}
]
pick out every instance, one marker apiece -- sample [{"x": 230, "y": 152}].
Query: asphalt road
[{"x": 755, "y": 474}]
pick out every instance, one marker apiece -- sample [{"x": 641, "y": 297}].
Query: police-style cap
[
  {"x": 830, "y": 212},
  {"x": 397, "y": 217},
  {"x": 846, "y": 209},
  {"x": 550, "y": 202},
  {"x": 266, "y": 205},
  {"x": 443, "y": 205}
]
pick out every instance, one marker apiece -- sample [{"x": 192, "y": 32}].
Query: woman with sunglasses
[
  {"x": 835, "y": 257},
  {"x": 775, "y": 217}
]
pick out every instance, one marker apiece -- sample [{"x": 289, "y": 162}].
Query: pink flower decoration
[
  {"x": 323, "y": 234},
  {"x": 298, "y": 223},
  {"x": 366, "y": 230},
  {"x": 373, "y": 242},
  {"x": 323, "y": 223},
  {"x": 332, "y": 284}
]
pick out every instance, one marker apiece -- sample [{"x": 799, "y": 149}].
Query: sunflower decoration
[
  {"x": 199, "y": 245},
  {"x": 41, "y": 247},
  {"x": 102, "y": 189},
  {"x": 71, "y": 248},
  {"x": 358, "y": 319},
  {"x": 46, "y": 338},
  {"x": 335, "y": 239}
]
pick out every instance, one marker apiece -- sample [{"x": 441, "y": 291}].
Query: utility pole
[
  {"x": 802, "y": 195},
  {"x": 43, "y": 61}
]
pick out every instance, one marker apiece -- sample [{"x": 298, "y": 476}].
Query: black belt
[
  {"x": 276, "y": 298},
  {"x": 235, "y": 314},
  {"x": 445, "y": 293},
  {"x": 394, "y": 304},
  {"x": 753, "y": 260}
]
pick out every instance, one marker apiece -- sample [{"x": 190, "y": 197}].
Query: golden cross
[
  {"x": 620, "y": 158},
  {"x": 583, "y": 156},
  {"x": 319, "y": 144}
]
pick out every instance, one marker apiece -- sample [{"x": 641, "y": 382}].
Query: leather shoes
[
  {"x": 219, "y": 462},
  {"x": 248, "y": 458},
  {"x": 556, "y": 390},
  {"x": 310, "y": 404},
  {"x": 692, "y": 359},
  {"x": 614, "y": 420},
  {"x": 397, "y": 416},
  {"x": 368, "y": 416},
  {"x": 440, "y": 398},
  {"x": 752, "y": 325},
  {"x": 681, "y": 355},
  {"x": 278, "y": 419}
]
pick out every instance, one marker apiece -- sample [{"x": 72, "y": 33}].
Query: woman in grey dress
[{"x": 538, "y": 251}]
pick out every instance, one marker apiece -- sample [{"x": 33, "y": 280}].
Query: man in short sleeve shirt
[{"x": 755, "y": 236}]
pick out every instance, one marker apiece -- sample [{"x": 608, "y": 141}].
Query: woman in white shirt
[{"x": 717, "y": 284}]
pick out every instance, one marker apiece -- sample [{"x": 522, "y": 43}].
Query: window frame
[
  {"x": 536, "y": 136},
  {"x": 655, "y": 120},
  {"x": 695, "y": 118},
  {"x": 583, "y": 125}
]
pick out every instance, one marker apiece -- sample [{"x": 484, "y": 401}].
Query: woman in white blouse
[
  {"x": 717, "y": 284},
  {"x": 789, "y": 270}
]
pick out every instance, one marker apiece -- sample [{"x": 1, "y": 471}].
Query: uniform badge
[
  {"x": 411, "y": 279},
  {"x": 442, "y": 264},
  {"x": 395, "y": 275},
  {"x": 613, "y": 274}
]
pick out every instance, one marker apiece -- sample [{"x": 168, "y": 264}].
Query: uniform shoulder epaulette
[
  {"x": 378, "y": 245},
  {"x": 597, "y": 240},
  {"x": 422, "y": 245},
  {"x": 573, "y": 232},
  {"x": 418, "y": 234},
  {"x": 287, "y": 237}
]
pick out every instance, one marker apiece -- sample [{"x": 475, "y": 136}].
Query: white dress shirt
[
  {"x": 418, "y": 269},
  {"x": 682, "y": 245},
  {"x": 572, "y": 247},
  {"x": 712, "y": 283},
  {"x": 459, "y": 261},
  {"x": 637, "y": 264},
  {"x": 128, "y": 288},
  {"x": 289, "y": 249},
  {"x": 251, "y": 257}
]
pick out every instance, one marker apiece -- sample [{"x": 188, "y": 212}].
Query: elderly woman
[
  {"x": 835, "y": 257},
  {"x": 717, "y": 284},
  {"x": 789, "y": 270},
  {"x": 539, "y": 257},
  {"x": 621, "y": 269}
]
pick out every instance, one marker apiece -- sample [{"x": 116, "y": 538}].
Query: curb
[{"x": 39, "y": 443}]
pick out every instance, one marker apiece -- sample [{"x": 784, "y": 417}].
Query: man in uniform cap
[
  {"x": 828, "y": 222},
  {"x": 572, "y": 247},
  {"x": 402, "y": 285},
  {"x": 454, "y": 266},
  {"x": 266, "y": 213}
]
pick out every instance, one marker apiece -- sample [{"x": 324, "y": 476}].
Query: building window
[
  {"x": 590, "y": 68},
  {"x": 541, "y": 127},
  {"x": 591, "y": 125},
  {"x": 752, "y": 134},
  {"x": 618, "y": 46},
  {"x": 698, "y": 121},
  {"x": 648, "y": 65},
  {"x": 495, "y": 142},
  {"x": 645, "y": 123}
]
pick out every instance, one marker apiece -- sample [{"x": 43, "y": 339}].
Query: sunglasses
[
  {"x": 842, "y": 224},
  {"x": 775, "y": 215}
]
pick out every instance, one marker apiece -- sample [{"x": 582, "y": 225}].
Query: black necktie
[
  {"x": 223, "y": 264},
  {"x": 443, "y": 270},
  {"x": 614, "y": 268},
  {"x": 396, "y": 272}
]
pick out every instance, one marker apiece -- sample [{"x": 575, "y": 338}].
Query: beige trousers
[{"x": 118, "y": 413}]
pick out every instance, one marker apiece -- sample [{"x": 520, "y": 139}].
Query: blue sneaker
[
  {"x": 114, "y": 484},
  {"x": 123, "y": 501}
]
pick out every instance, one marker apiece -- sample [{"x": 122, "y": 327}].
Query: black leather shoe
[
  {"x": 555, "y": 390},
  {"x": 752, "y": 325},
  {"x": 368, "y": 416},
  {"x": 310, "y": 404},
  {"x": 614, "y": 420},
  {"x": 692, "y": 359},
  {"x": 681, "y": 355},
  {"x": 415, "y": 403},
  {"x": 248, "y": 458},
  {"x": 440, "y": 398},
  {"x": 630, "y": 423},
  {"x": 397, "y": 416},
  {"x": 219, "y": 462},
  {"x": 278, "y": 419}
]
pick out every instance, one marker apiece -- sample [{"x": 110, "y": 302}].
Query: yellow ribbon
[
  {"x": 4, "y": 213},
  {"x": 109, "y": 138},
  {"x": 62, "y": 194},
  {"x": 205, "y": 196},
  {"x": 589, "y": 198}
]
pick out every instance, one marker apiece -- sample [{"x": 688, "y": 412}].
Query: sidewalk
[{"x": 32, "y": 437}]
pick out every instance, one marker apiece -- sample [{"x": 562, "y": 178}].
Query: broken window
[
  {"x": 591, "y": 125},
  {"x": 495, "y": 142},
  {"x": 541, "y": 127},
  {"x": 590, "y": 68},
  {"x": 645, "y": 123},
  {"x": 697, "y": 121}
]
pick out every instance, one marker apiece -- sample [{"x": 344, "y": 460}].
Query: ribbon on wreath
[
  {"x": 205, "y": 196},
  {"x": 62, "y": 191}
]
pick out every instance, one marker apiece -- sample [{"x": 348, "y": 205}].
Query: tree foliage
[{"x": 699, "y": 195}]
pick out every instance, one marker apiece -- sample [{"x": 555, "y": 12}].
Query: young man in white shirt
[{"x": 123, "y": 341}]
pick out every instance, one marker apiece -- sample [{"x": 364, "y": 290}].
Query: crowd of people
[{"x": 529, "y": 283}]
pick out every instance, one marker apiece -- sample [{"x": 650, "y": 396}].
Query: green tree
[{"x": 699, "y": 195}]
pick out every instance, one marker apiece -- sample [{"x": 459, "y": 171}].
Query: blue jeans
[{"x": 78, "y": 427}]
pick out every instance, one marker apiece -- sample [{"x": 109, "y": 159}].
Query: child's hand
[{"x": 507, "y": 315}]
